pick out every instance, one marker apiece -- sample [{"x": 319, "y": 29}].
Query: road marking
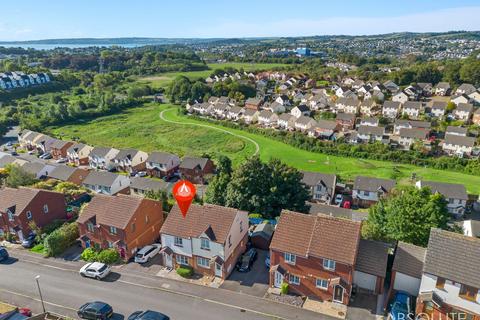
[
  {"x": 255, "y": 143},
  {"x": 38, "y": 300}
]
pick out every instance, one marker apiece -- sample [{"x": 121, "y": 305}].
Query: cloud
[{"x": 465, "y": 18}]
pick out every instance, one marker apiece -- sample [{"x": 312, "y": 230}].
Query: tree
[
  {"x": 159, "y": 195},
  {"x": 224, "y": 165},
  {"x": 470, "y": 71},
  {"x": 16, "y": 177},
  {"x": 198, "y": 90},
  {"x": 407, "y": 215}
]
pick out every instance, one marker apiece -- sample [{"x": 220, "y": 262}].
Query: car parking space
[
  {"x": 254, "y": 282},
  {"x": 151, "y": 267},
  {"x": 363, "y": 306}
]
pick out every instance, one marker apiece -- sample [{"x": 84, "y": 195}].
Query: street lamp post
[{"x": 40, "y": 293}]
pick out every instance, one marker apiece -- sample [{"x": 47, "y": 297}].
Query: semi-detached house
[
  {"x": 210, "y": 239},
  {"x": 162, "y": 164}
]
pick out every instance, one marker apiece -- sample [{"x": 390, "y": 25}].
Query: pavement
[
  {"x": 64, "y": 291},
  {"x": 254, "y": 282}
]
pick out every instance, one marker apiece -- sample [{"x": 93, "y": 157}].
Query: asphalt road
[{"x": 64, "y": 291}]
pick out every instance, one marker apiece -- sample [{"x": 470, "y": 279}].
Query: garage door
[
  {"x": 406, "y": 283},
  {"x": 365, "y": 280}
]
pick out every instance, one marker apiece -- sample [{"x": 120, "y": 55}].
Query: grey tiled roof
[
  {"x": 100, "y": 178},
  {"x": 373, "y": 184},
  {"x": 454, "y": 257},
  {"x": 338, "y": 212},
  {"x": 448, "y": 190},
  {"x": 314, "y": 178},
  {"x": 372, "y": 257},
  {"x": 409, "y": 259},
  {"x": 454, "y": 139}
]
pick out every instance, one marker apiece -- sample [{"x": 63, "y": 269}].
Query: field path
[{"x": 257, "y": 146}]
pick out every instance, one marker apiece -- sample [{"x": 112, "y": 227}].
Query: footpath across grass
[{"x": 142, "y": 128}]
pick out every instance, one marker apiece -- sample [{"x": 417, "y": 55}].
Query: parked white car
[
  {"x": 95, "y": 270},
  {"x": 146, "y": 253},
  {"x": 62, "y": 160}
]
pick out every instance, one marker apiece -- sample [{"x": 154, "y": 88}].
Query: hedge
[
  {"x": 185, "y": 271},
  {"x": 60, "y": 239},
  {"x": 107, "y": 256}
]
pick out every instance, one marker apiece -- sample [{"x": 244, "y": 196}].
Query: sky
[{"x": 49, "y": 19}]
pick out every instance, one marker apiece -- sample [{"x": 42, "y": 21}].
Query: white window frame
[
  {"x": 182, "y": 260},
  {"x": 290, "y": 258},
  {"x": 178, "y": 242},
  {"x": 319, "y": 282},
  {"x": 113, "y": 230},
  {"x": 292, "y": 278},
  {"x": 29, "y": 215},
  {"x": 202, "y": 259},
  {"x": 329, "y": 264},
  {"x": 204, "y": 244},
  {"x": 90, "y": 227}
]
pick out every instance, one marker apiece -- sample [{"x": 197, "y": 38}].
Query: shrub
[
  {"x": 89, "y": 255},
  {"x": 185, "y": 271},
  {"x": 60, "y": 239},
  {"x": 108, "y": 256},
  {"x": 255, "y": 215},
  {"x": 54, "y": 225},
  {"x": 284, "y": 288}
]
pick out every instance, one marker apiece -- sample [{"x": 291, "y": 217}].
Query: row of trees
[{"x": 258, "y": 187}]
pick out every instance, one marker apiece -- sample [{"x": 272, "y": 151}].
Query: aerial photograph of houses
[{"x": 240, "y": 160}]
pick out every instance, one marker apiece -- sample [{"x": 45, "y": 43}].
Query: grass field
[
  {"x": 161, "y": 80},
  {"x": 142, "y": 128}
]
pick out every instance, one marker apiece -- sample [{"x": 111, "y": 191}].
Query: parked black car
[
  {"x": 3, "y": 254},
  {"x": 246, "y": 261},
  {"x": 148, "y": 315},
  {"x": 29, "y": 241},
  {"x": 95, "y": 311}
]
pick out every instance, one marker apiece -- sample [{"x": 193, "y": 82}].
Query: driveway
[
  {"x": 254, "y": 282},
  {"x": 363, "y": 307},
  {"x": 152, "y": 267}
]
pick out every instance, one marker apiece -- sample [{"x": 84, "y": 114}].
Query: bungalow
[
  {"x": 442, "y": 89},
  {"x": 465, "y": 88},
  {"x": 20, "y": 207},
  {"x": 140, "y": 186},
  {"x": 336, "y": 211},
  {"x": 412, "y": 109},
  {"x": 458, "y": 145},
  {"x": 68, "y": 174},
  {"x": 304, "y": 123},
  {"x": 371, "y": 266},
  {"x": 407, "y": 268},
  {"x": 324, "y": 129},
  {"x": 391, "y": 109},
  {"x": 463, "y": 98},
  {"x": 346, "y": 121},
  {"x": 438, "y": 109},
  {"x": 368, "y": 107},
  {"x": 59, "y": 148},
  {"x": 106, "y": 182},
  {"x": 455, "y": 194},
  {"x": 321, "y": 185},
  {"x": 102, "y": 158},
  {"x": 370, "y": 133},
  {"x": 455, "y": 130},
  {"x": 450, "y": 282},
  {"x": 286, "y": 121},
  {"x": 250, "y": 116},
  {"x": 162, "y": 164},
  {"x": 210, "y": 239},
  {"x": 463, "y": 111},
  {"x": 196, "y": 170},
  {"x": 123, "y": 223},
  {"x": 78, "y": 154},
  {"x": 410, "y": 124},
  {"x": 130, "y": 160},
  {"x": 408, "y": 136},
  {"x": 38, "y": 169},
  {"x": 367, "y": 191},
  {"x": 301, "y": 110},
  {"x": 267, "y": 118},
  {"x": 319, "y": 262}
]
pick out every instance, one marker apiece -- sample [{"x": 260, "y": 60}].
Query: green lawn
[
  {"x": 38, "y": 249},
  {"x": 162, "y": 79},
  {"x": 142, "y": 128}
]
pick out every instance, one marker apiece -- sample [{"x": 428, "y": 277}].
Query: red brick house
[
  {"x": 253, "y": 103},
  {"x": 19, "y": 207},
  {"x": 346, "y": 121},
  {"x": 315, "y": 255},
  {"x": 68, "y": 174},
  {"x": 195, "y": 170},
  {"x": 59, "y": 148},
  {"x": 123, "y": 222}
]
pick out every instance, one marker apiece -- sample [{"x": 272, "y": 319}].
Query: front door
[
  {"x": 218, "y": 270},
  {"x": 338, "y": 294},
  {"x": 168, "y": 260},
  {"x": 278, "y": 279},
  {"x": 20, "y": 235}
]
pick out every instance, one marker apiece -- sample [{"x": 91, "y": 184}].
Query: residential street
[{"x": 64, "y": 291}]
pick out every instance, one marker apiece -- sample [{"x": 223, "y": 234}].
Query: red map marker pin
[{"x": 184, "y": 192}]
